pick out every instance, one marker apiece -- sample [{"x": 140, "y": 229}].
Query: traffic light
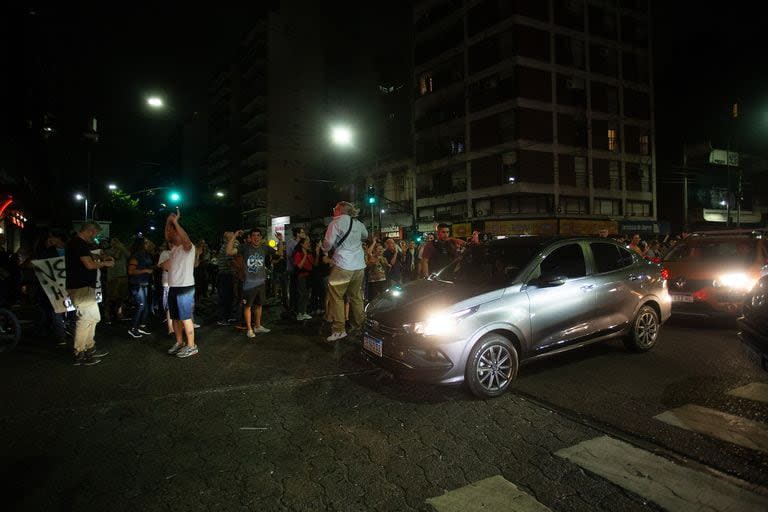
[
  {"x": 371, "y": 195},
  {"x": 174, "y": 196}
]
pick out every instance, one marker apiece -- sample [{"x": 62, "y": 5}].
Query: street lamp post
[{"x": 81, "y": 197}]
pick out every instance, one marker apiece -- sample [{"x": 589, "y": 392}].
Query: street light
[
  {"x": 112, "y": 186},
  {"x": 341, "y": 136},
  {"x": 219, "y": 194},
  {"x": 81, "y": 197},
  {"x": 155, "y": 102}
]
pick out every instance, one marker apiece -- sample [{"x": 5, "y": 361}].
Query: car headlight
[
  {"x": 735, "y": 281},
  {"x": 439, "y": 324}
]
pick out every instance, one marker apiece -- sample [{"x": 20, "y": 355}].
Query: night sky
[{"x": 103, "y": 61}]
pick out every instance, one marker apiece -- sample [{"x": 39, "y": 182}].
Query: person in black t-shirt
[
  {"x": 440, "y": 252},
  {"x": 81, "y": 286}
]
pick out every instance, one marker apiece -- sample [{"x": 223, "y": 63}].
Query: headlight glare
[
  {"x": 735, "y": 281},
  {"x": 439, "y": 324}
]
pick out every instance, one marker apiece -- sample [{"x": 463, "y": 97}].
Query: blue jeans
[{"x": 139, "y": 294}]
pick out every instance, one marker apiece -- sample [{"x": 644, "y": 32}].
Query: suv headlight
[
  {"x": 735, "y": 281},
  {"x": 439, "y": 324}
]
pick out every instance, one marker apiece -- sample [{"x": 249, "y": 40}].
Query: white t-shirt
[
  {"x": 182, "y": 268},
  {"x": 164, "y": 256},
  {"x": 349, "y": 255}
]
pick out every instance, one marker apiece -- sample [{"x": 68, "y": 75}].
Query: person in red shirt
[{"x": 303, "y": 262}]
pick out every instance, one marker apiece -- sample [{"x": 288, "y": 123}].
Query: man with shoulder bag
[{"x": 342, "y": 243}]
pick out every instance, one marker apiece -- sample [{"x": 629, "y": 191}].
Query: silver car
[{"x": 513, "y": 301}]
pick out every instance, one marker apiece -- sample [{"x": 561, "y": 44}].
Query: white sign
[
  {"x": 52, "y": 275},
  {"x": 723, "y": 157},
  {"x": 278, "y": 226}
]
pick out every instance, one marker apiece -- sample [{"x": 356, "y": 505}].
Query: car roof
[{"x": 543, "y": 241}]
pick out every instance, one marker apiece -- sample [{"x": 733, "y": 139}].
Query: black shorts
[{"x": 255, "y": 296}]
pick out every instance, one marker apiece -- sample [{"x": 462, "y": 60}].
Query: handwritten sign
[{"x": 52, "y": 275}]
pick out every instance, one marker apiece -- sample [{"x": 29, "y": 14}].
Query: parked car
[
  {"x": 711, "y": 273},
  {"x": 753, "y": 326},
  {"x": 512, "y": 301}
]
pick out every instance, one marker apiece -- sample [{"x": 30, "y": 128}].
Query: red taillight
[
  {"x": 655, "y": 260},
  {"x": 665, "y": 274}
]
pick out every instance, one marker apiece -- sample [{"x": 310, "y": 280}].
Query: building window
[
  {"x": 613, "y": 140},
  {"x": 645, "y": 148},
  {"x": 607, "y": 206},
  {"x": 638, "y": 209},
  {"x": 574, "y": 205},
  {"x": 614, "y": 175},
  {"x": 580, "y": 168},
  {"x": 425, "y": 84}
]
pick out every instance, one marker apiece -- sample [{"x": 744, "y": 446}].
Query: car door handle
[{"x": 587, "y": 287}]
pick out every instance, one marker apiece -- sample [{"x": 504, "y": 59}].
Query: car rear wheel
[
  {"x": 645, "y": 330},
  {"x": 492, "y": 366}
]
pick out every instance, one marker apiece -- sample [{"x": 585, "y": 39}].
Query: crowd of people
[{"x": 331, "y": 277}]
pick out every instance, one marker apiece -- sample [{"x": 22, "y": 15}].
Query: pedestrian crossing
[{"x": 652, "y": 477}]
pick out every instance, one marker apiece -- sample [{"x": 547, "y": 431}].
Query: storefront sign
[
  {"x": 587, "y": 227},
  {"x": 521, "y": 227},
  {"x": 461, "y": 230}
]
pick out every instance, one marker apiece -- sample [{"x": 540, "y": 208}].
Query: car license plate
[
  {"x": 372, "y": 344},
  {"x": 681, "y": 298}
]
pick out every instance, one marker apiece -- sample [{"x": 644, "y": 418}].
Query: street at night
[
  {"x": 290, "y": 422},
  {"x": 428, "y": 255}
]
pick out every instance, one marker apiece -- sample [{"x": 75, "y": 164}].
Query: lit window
[
  {"x": 425, "y": 84},
  {"x": 644, "y": 145},
  {"x": 613, "y": 140}
]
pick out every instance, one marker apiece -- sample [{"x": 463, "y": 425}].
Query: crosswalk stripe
[
  {"x": 673, "y": 487},
  {"x": 734, "y": 429},
  {"x": 757, "y": 391},
  {"x": 494, "y": 493}
]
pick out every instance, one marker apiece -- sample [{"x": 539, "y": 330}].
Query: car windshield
[
  {"x": 713, "y": 252},
  {"x": 490, "y": 265}
]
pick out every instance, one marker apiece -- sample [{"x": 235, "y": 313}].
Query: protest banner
[{"x": 52, "y": 275}]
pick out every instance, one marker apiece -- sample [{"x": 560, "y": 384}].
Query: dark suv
[{"x": 512, "y": 301}]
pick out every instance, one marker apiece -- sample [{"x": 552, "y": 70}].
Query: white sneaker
[
  {"x": 250, "y": 334},
  {"x": 307, "y": 316},
  {"x": 336, "y": 336},
  {"x": 261, "y": 329},
  {"x": 196, "y": 326},
  {"x": 175, "y": 348}
]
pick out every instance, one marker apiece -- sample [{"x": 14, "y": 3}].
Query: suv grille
[
  {"x": 682, "y": 284},
  {"x": 380, "y": 328}
]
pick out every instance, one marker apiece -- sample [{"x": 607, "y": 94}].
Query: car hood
[{"x": 416, "y": 300}]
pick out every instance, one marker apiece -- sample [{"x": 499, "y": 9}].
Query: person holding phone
[{"x": 181, "y": 286}]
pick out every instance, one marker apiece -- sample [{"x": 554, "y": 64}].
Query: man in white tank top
[{"x": 181, "y": 286}]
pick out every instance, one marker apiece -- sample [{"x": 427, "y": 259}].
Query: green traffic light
[
  {"x": 174, "y": 197},
  {"x": 371, "y": 200}
]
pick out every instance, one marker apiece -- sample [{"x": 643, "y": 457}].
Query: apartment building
[
  {"x": 265, "y": 110},
  {"x": 533, "y": 115}
]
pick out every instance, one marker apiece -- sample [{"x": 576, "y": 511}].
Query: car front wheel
[
  {"x": 492, "y": 366},
  {"x": 645, "y": 330}
]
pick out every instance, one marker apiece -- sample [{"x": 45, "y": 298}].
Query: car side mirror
[{"x": 548, "y": 280}]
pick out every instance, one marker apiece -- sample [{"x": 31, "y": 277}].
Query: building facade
[
  {"x": 265, "y": 120},
  {"x": 533, "y": 115}
]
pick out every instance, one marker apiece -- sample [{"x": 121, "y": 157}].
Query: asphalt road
[{"x": 288, "y": 422}]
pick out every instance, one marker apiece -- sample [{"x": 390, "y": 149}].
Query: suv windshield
[
  {"x": 735, "y": 251},
  {"x": 490, "y": 265}
]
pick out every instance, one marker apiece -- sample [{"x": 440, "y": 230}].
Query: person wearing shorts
[
  {"x": 255, "y": 255},
  {"x": 181, "y": 286}
]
